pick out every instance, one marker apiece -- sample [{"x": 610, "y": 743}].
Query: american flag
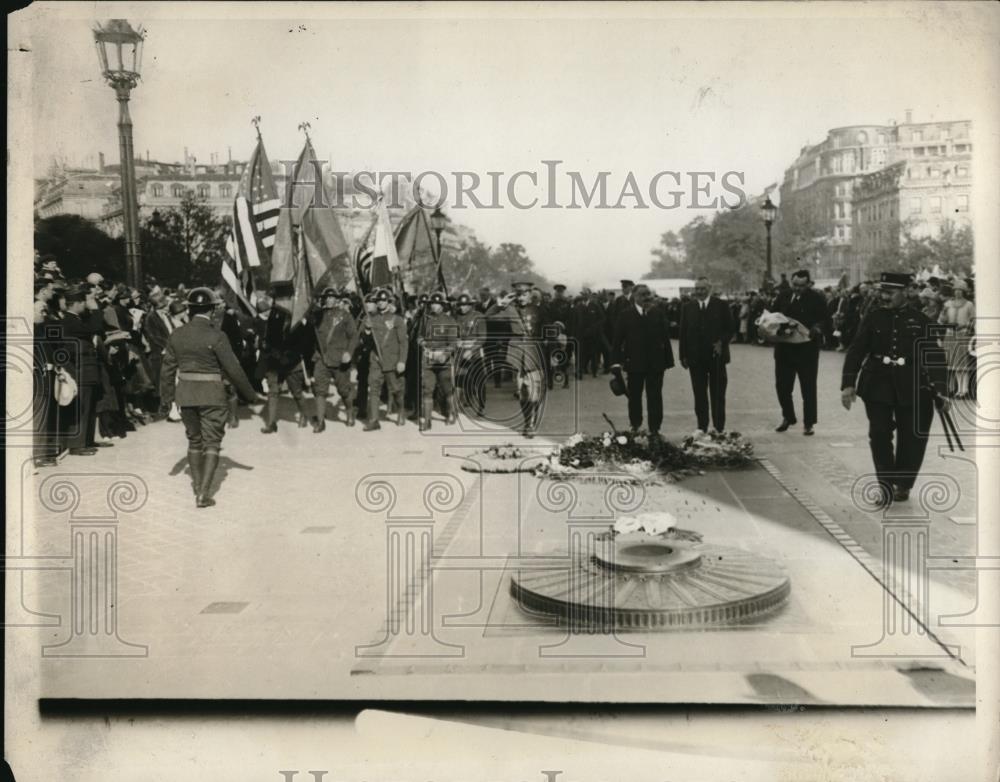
[{"x": 255, "y": 219}]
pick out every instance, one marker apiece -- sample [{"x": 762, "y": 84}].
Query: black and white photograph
[{"x": 515, "y": 391}]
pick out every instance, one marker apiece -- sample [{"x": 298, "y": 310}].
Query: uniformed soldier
[
  {"x": 196, "y": 361},
  {"x": 438, "y": 342},
  {"x": 363, "y": 352},
  {"x": 283, "y": 345},
  {"x": 559, "y": 310},
  {"x": 387, "y": 361},
  {"x": 524, "y": 350},
  {"x": 336, "y": 340},
  {"x": 470, "y": 366},
  {"x": 588, "y": 326},
  {"x": 897, "y": 368}
]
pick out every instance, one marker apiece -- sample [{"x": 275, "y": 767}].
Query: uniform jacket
[
  {"x": 701, "y": 329},
  {"x": 200, "y": 348},
  {"x": 642, "y": 342},
  {"x": 84, "y": 364},
  {"x": 471, "y": 333},
  {"x": 336, "y": 334},
  {"x": 524, "y": 324},
  {"x": 894, "y": 334},
  {"x": 560, "y": 310},
  {"x": 389, "y": 333},
  {"x": 439, "y": 333},
  {"x": 281, "y": 347}
]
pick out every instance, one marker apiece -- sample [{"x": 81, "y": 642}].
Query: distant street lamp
[
  {"x": 769, "y": 212},
  {"x": 438, "y": 223},
  {"x": 119, "y": 49}
]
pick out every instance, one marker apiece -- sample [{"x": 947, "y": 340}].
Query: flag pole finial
[
  {"x": 256, "y": 126},
  {"x": 305, "y": 127}
]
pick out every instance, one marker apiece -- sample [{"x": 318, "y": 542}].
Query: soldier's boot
[
  {"x": 372, "y": 423},
  {"x": 426, "y": 413},
  {"x": 400, "y": 409},
  {"x": 319, "y": 421},
  {"x": 208, "y": 473},
  {"x": 270, "y": 416},
  {"x": 300, "y": 404},
  {"x": 196, "y": 462},
  {"x": 451, "y": 409},
  {"x": 234, "y": 413},
  {"x": 349, "y": 410}
]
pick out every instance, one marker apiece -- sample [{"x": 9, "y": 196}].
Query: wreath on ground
[{"x": 620, "y": 456}]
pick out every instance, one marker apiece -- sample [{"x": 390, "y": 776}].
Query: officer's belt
[
  {"x": 900, "y": 362},
  {"x": 204, "y": 376}
]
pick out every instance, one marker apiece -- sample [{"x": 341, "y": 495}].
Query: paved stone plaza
[{"x": 282, "y": 590}]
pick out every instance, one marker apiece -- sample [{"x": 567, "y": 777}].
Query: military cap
[
  {"x": 522, "y": 287},
  {"x": 202, "y": 299},
  {"x": 627, "y": 283},
  {"x": 559, "y": 287},
  {"x": 423, "y": 298},
  {"x": 327, "y": 293},
  {"x": 370, "y": 297},
  {"x": 382, "y": 295},
  {"x": 465, "y": 300},
  {"x": 437, "y": 298},
  {"x": 894, "y": 280}
]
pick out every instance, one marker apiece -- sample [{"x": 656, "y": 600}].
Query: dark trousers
[
  {"x": 589, "y": 356},
  {"x": 801, "y": 361},
  {"x": 911, "y": 425},
  {"x": 205, "y": 427},
  {"x": 708, "y": 382},
  {"x": 81, "y": 417},
  {"x": 472, "y": 380},
  {"x": 652, "y": 384}
]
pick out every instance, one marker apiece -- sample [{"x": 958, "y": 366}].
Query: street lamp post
[
  {"x": 769, "y": 212},
  {"x": 119, "y": 49},
  {"x": 438, "y": 223}
]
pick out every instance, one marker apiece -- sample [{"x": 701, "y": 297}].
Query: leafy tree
[
  {"x": 186, "y": 244},
  {"x": 80, "y": 246},
  {"x": 669, "y": 259}
]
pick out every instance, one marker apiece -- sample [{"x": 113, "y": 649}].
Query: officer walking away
[
  {"x": 897, "y": 369},
  {"x": 196, "y": 362},
  {"x": 336, "y": 340}
]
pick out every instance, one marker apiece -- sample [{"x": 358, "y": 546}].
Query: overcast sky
[{"x": 687, "y": 94}]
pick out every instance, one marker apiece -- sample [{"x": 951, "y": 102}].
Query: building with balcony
[{"x": 819, "y": 206}]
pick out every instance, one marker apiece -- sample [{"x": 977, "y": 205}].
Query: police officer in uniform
[
  {"x": 524, "y": 351},
  {"x": 336, "y": 339},
  {"x": 197, "y": 360},
  {"x": 438, "y": 341},
  {"x": 387, "y": 360},
  {"x": 897, "y": 369},
  {"x": 470, "y": 367}
]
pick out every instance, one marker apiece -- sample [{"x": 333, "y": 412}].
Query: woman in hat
[{"x": 958, "y": 313}]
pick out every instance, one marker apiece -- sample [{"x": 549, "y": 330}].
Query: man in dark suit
[
  {"x": 801, "y": 360},
  {"x": 705, "y": 332},
  {"x": 588, "y": 323},
  {"x": 642, "y": 347},
  {"x": 196, "y": 363},
  {"x": 82, "y": 323}
]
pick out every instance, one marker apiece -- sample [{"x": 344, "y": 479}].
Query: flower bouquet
[
  {"x": 718, "y": 449},
  {"x": 775, "y": 327},
  {"x": 506, "y": 458}
]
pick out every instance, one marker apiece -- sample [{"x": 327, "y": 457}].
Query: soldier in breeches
[
  {"x": 336, "y": 340},
  {"x": 470, "y": 367},
  {"x": 438, "y": 342},
  {"x": 387, "y": 361},
  {"x": 897, "y": 368},
  {"x": 197, "y": 360}
]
